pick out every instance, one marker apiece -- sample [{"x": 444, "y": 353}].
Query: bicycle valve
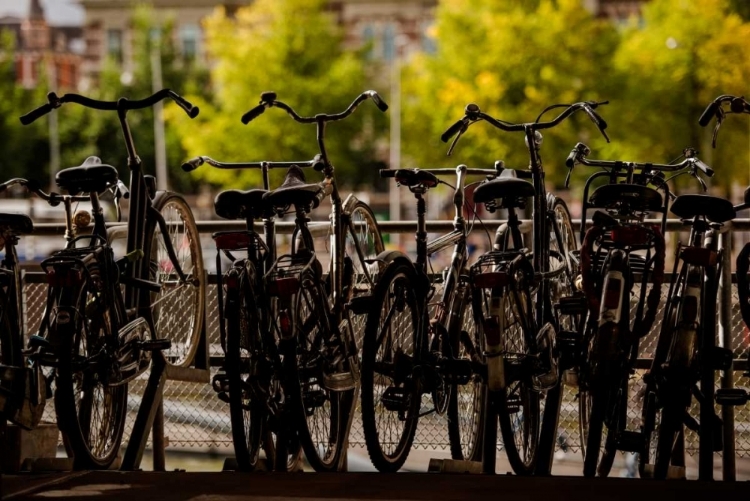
[{"x": 82, "y": 219}]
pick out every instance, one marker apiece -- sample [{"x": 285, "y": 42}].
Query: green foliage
[
  {"x": 294, "y": 48},
  {"x": 512, "y": 58}
]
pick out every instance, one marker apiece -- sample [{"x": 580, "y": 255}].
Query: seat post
[{"x": 421, "y": 235}]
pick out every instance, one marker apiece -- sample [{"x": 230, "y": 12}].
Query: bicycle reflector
[
  {"x": 630, "y": 235},
  {"x": 284, "y": 287},
  {"x": 64, "y": 277},
  {"x": 490, "y": 280},
  {"x": 233, "y": 240},
  {"x": 698, "y": 256}
]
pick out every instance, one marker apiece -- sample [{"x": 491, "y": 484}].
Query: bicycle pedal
[
  {"x": 572, "y": 305},
  {"x": 629, "y": 441},
  {"x": 395, "y": 399},
  {"x": 721, "y": 358},
  {"x": 155, "y": 345},
  {"x": 360, "y": 305},
  {"x": 313, "y": 399},
  {"x": 339, "y": 381},
  {"x": 731, "y": 396}
]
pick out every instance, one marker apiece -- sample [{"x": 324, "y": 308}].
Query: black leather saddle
[
  {"x": 237, "y": 204},
  {"x": 715, "y": 209},
  {"x": 634, "y": 196},
  {"x": 91, "y": 176},
  {"x": 295, "y": 191},
  {"x": 18, "y": 224},
  {"x": 508, "y": 187},
  {"x": 416, "y": 177}
]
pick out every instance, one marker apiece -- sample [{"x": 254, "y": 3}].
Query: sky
[{"x": 57, "y": 12}]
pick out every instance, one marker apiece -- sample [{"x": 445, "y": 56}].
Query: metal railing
[{"x": 195, "y": 417}]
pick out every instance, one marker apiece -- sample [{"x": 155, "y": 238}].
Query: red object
[{"x": 233, "y": 241}]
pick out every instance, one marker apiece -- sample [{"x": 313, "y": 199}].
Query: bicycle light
[{"x": 82, "y": 219}]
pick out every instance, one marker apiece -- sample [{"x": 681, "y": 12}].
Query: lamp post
[
  {"x": 400, "y": 42},
  {"x": 160, "y": 150}
]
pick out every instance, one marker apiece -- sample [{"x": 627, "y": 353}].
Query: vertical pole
[
  {"x": 160, "y": 150},
  {"x": 54, "y": 134},
  {"x": 395, "y": 140},
  {"x": 725, "y": 340},
  {"x": 157, "y": 435}
]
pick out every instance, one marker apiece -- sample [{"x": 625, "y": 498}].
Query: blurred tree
[
  {"x": 683, "y": 55},
  {"x": 512, "y": 58},
  {"x": 294, "y": 48},
  {"x": 85, "y": 132}
]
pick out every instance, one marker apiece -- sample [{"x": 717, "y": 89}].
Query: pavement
[{"x": 208, "y": 486}]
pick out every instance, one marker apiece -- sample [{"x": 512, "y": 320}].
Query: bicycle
[
  {"x": 291, "y": 358},
  {"x": 23, "y": 386},
  {"x": 96, "y": 336},
  {"x": 515, "y": 290},
  {"x": 406, "y": 353},
  {"x": 619, "y": 251}
]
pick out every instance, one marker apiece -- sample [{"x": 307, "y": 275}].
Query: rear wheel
[
  {"x": 466, "y": 404},
  {"x": 90, "y": 412},
  {"x": 391, "y": 398},
  {"x": 242, "y": 355},
  {"x": 179, "y": 307}
]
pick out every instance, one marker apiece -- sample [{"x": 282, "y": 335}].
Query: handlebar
[
  {"x": 34, "y": 187},
  {"x": 192, "y": 164},
  {"x": 268, "y": 100},
  {"x": 386, "y": 173},
  {"x": 472, "y": 114},
  {"x": 122, "y": 104},
  {"x": 737, "y": 104}
]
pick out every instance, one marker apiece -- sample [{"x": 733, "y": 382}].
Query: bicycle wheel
[
  {"x": 243, "y": 321},
  {"x": 391, "y": 397},
  {"x": 363, "y": 242},
  {"x": 519, "y": 405},
  {"x": 90, "y": 412},
  {"x": 563, "y": 241},
  {"x": 10, "y": 344},
  {"x": 466, "y": 405},
  {"x": 179, "y": 307},
  {"x": 669, "y": 427},
  {"x": 321, "y": 430}
]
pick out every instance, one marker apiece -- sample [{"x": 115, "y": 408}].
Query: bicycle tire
[
  {"x": 671, "y": 422},
  {"x": 173, "y": 307},
  {"x": 10, "y": 348},
  {"x": 321, "y": 427},
  {"x": 518, "y": 398},
  {"x": 465, "y": 421},
  {"x": 389, "y": 448},
  {"x": 370, "y": 242},
  {"x": 91, "y": 321},
  {"x": 242, "y": 323},
  {"x": 593, "y": 438}
]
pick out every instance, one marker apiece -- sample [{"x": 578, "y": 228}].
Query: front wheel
[
  {"x": 178, "y": 309},
  {"x": 391, "y": 397},
  {"x": 90, "y": 412}
]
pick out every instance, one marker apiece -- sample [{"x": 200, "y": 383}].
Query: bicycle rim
[
  {"x": 562, "y": 285},
  {"x": 179, "y": 307},
  {"x": 387, "y": 358},
  {"x": 91, "y": 414}
]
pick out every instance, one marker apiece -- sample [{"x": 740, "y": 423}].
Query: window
[
  {"x": 389, "y": 42},
  {"x": 114, "y": 44},
  {"x": 368, "y": 39},
  {"x": 189, "y": 35}
]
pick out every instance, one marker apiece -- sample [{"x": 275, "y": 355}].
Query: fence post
[{"x": 725, "y": 341}]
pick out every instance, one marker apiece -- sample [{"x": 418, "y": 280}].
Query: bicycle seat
[
  {"x": 19, "y": 224},
  {"x": 236, "y": 204},
  {"x": 637, "y": 197},
  {"x": 507, "y": 187},
  {"x": 91, "y": 176},
  {"x": 294, "y": 191},
  {"x": 715, "y": 209},
  {"x": 416, "y": 177}
]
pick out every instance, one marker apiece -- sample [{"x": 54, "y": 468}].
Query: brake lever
[
  {"x": 458, "y": 136},
  {"x": 700, "y": 179},
  {"x": 719, "y": 119}
]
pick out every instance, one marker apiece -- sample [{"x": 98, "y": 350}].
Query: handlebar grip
[
  {"x": 387, "y": 172},
  {"x": 739, "y": 105},
  {"x": 253, "y": 114},
  {"x": 452, "y": 130},
  {"x": 705, "y": 168},
  {"x": 192, "y": 111},
  {"x": 570, "y": 162},
  {"x": 37, "y": 113},
  {"x": 708, "y": 114},
  {"x": 382, "y": 105},
  {"x": 192, "y": 164}
]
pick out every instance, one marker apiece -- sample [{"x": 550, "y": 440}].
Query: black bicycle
[
  {"x": 292, "y": 360},
  {"x": 95, "y": 336}
]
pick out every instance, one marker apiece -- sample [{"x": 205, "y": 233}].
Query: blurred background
[{"x": 658, "y": 62}]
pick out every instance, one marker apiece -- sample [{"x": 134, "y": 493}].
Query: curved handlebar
[
  {"x": 268, "y": 100},
  {"x": 472, "y": 114},
  {"x": 122, "y": 104},
  {"x": 316, "y": 163},
  {"x": 34, "y": 187},
  {"x": 737, "y": 104}
]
